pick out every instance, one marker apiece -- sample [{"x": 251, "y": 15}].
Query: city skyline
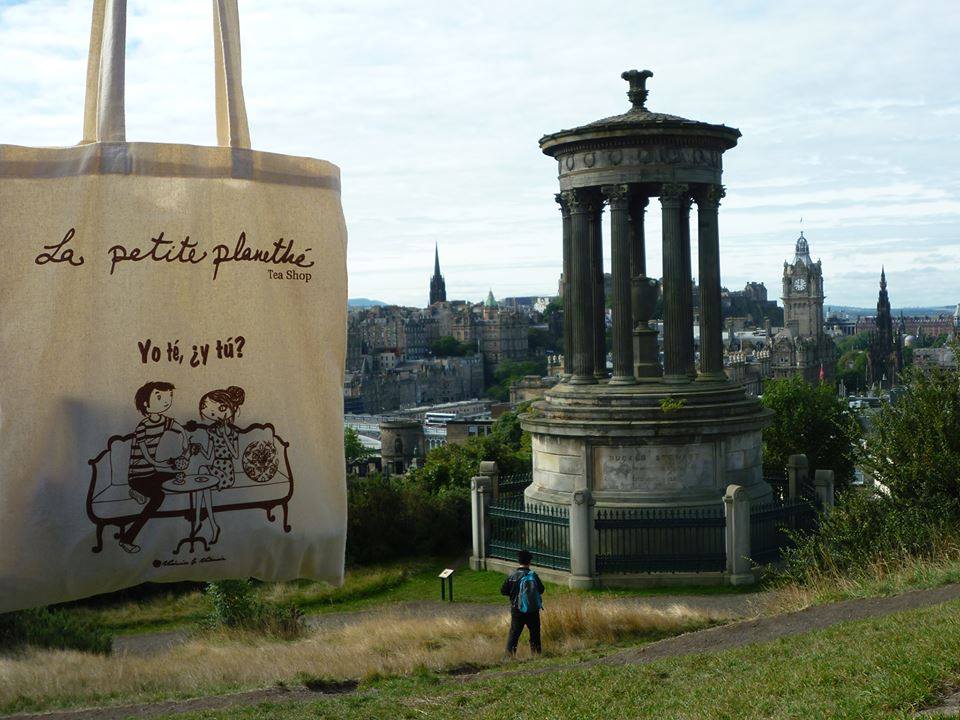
[{"x": 849, "y": 120}]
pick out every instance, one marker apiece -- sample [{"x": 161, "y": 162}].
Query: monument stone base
[{"x": 647, "y": 445}]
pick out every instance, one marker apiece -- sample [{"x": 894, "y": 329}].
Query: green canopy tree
[{"x": 811, "y": 420}]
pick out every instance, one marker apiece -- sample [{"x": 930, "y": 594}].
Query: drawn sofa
[{"x": 263, "y": 480}]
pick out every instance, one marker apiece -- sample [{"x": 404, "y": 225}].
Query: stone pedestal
[{"x": 647, "y": 445}]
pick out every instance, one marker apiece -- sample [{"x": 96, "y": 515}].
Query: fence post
[
  {"x": 581, "y": 534},
  {"x": 488, "y": 468},
  {"x": 798, "y": 474},
  {"x": 823, "y": 483},
  {"x": 736, "y": 509},
  {"x": 480, "y": 495}
]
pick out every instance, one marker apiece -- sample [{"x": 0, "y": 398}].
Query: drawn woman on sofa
[{"x": 219, "y": 408}]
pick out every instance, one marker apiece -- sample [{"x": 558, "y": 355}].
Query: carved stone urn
[{"x": 646, "y": 355}]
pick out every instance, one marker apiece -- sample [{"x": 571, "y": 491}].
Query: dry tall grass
[
  {"x": 882, "y": 575},
  {"x": 387, "y": 643}
]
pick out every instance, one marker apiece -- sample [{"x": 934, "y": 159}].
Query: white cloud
[{"x": 433, "y": 112}]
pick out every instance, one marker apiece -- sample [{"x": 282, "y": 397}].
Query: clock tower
[{"x": 803, "y": 293}]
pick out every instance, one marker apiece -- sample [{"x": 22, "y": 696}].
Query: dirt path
[
  {"x": 731, "y": 606},
  {"x": 725, "y": 637}
]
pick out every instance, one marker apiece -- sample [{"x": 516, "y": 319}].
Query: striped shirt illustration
[{"x": 147, "y": 433}]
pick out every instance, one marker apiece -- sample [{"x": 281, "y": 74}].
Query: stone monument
[{"x": 649, "y": 434}]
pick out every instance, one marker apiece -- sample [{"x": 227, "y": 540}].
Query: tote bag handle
[{"x": 104, "y": 115}]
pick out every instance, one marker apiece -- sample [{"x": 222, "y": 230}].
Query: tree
[
  {"x": 509, "y": 370},
  {"x": 852, "y": 369},
  {"x": 914, "y": 446},
  {"x": 449, "y": 346},
  {"x": 810, "y": 420},
  {"x": 353, "y": 448},
  {"x": 860, "y": 341}
]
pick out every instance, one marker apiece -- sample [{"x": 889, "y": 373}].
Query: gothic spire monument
[
  {"x": 438, "y": 287},
  {"x": 881, "y": 358}
]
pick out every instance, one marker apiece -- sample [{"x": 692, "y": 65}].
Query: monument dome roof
[{"x": 639, "y": 119}]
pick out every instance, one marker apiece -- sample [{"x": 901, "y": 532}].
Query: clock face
[{"x": 800, "y": 284}]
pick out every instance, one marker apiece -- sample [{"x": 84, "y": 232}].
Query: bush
[
  {"x": 394, "y": 517},
  {"x": 52, "y": 628},
  {"x": 863, "y": 527},
  {"x": 913, "y": 452},
  {"x": 236, "y": 606}
]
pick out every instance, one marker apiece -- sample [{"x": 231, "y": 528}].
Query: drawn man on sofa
[{"x": 146, "y": 474}]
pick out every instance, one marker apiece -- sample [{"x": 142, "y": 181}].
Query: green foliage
[
  {"x": 912, "y": 450},
  {"x": 354, "y": 450},
  {"x": 427, "y": 511},
  {"x": 507, "y": 371},
  {"x": 669, "y": 405},
  {"x": 863, "y": 527},
  {"x": 449, "y": 346},
  {"x": 811, "y": 420},
  {"x": 914, "y": 446},
  {"x": 52, "y": 628},
  {"x": 852, "y": 369},
  {"x": 236, "y": 606},
  {"x": 860, "y": 341},
  {"x": 930, "y": 341}
]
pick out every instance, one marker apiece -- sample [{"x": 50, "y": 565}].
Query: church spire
[{"x": 438, "y": 287}]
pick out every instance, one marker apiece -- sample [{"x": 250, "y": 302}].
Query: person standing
[{"x": 524, "y": 589}]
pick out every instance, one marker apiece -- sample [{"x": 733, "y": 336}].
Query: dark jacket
[{"x": 511, "y": 586}]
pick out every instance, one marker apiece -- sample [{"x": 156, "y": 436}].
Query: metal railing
[
  {"x": 511, "y": 485},
  {"x": 645, "y": 540},
  {"x": 771, "y": 524},
  {"x": 543, "y": 530}
]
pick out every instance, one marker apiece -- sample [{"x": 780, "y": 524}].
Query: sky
[{"x": 850, "y": 114}]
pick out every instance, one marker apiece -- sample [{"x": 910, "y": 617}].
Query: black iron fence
[
  {"x": 642, "y": 540},
  {"x": 510, "y": 485},
  {"x": 517, "y": 525},
  {"x": 771, "y": 525}
]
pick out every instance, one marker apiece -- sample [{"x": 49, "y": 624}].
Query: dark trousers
[
  {"x": 150, "y": 487},
  {"x": 517, "y": 622}
]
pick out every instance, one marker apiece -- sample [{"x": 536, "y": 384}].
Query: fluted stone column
[
  {"x": 689, "y": 346},
  {"x": 711, "y": 321},
  {"x": 567, "y": 289},
  {"x": 644, "y": 294},
  {"x": 580, "y": 207},
  {"x": 638, "y": 251},
  {"x": 599, "y": 294},
  {"x": 675, "y": 363},
  {"x": 619, "y": 199}
]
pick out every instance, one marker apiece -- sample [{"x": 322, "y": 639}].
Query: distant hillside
[{"x": 365, "y": 303}]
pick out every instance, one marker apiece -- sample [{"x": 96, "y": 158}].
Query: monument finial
[{"x": 638, "y": 87}]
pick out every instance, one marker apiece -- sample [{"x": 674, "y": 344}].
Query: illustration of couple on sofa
[{"x": 166, "y": 469}]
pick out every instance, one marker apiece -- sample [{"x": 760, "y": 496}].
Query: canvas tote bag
[{"x": 172, "y": 336}]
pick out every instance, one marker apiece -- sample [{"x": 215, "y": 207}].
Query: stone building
[
  {"x": 802, "y": 347},
  {"x": 497, "y": 333},
  {"x": 402, "y": 445}
]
